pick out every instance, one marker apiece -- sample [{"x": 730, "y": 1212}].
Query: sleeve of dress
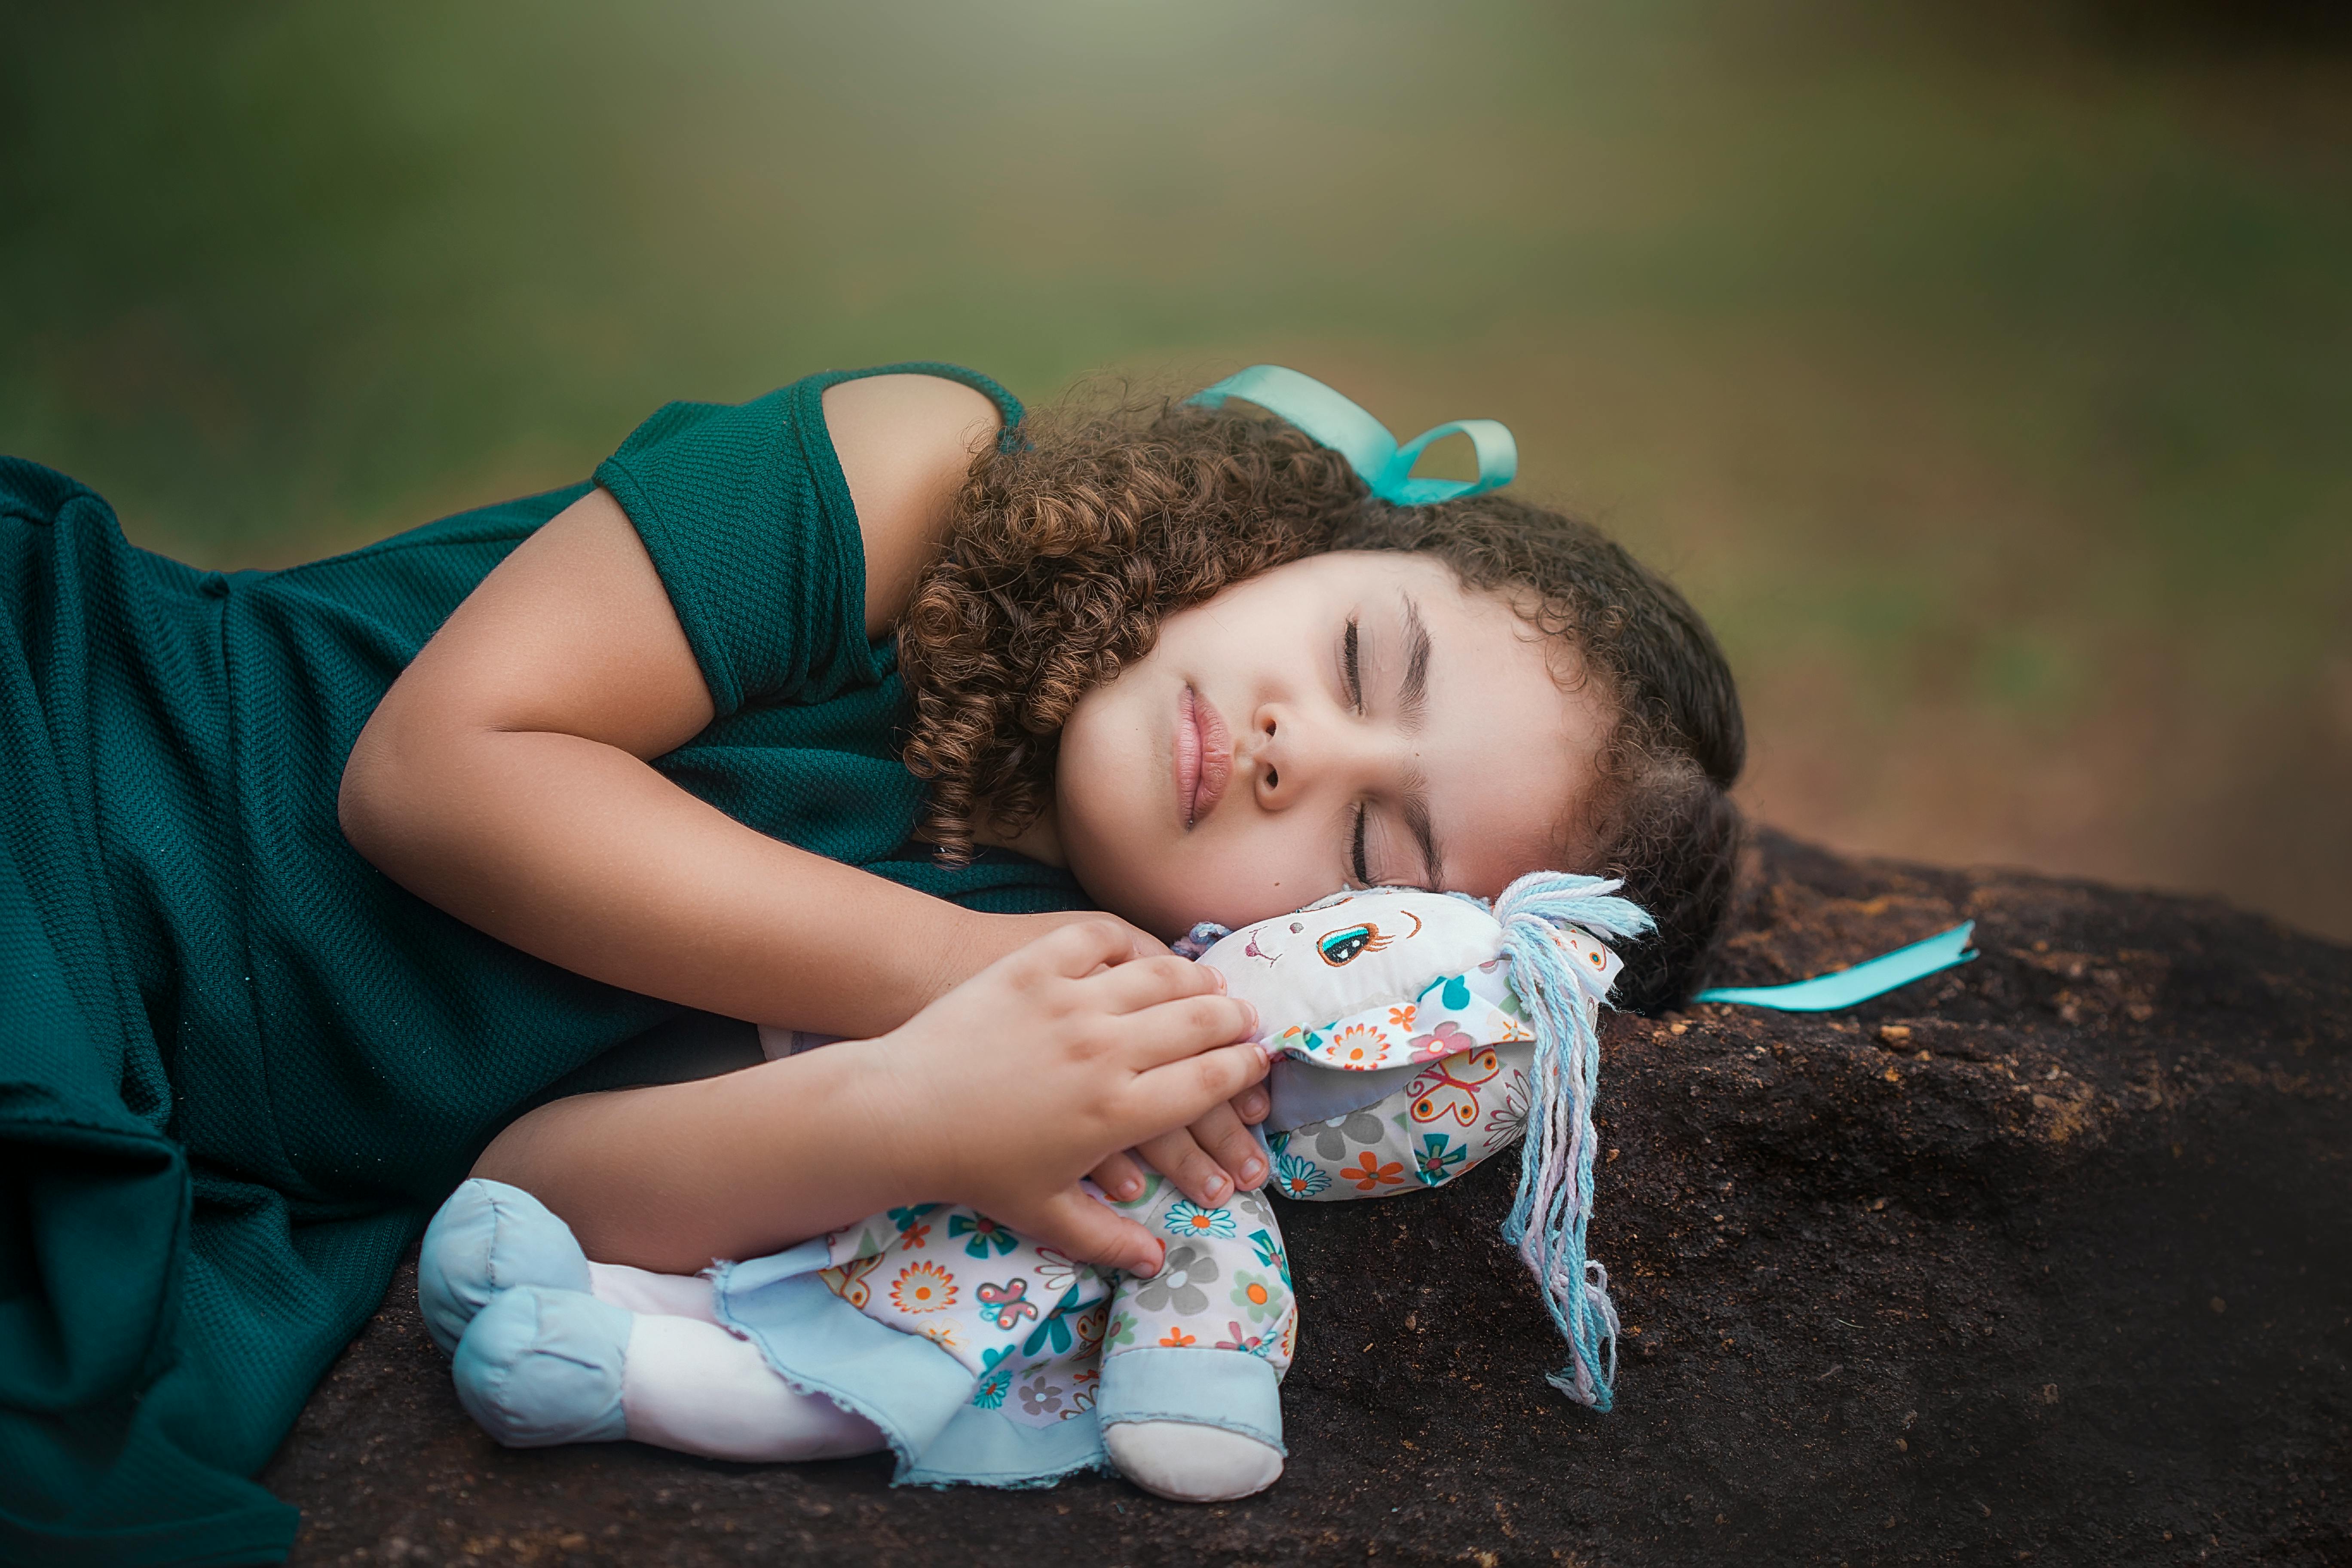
[{"x": 749, "y": 521}]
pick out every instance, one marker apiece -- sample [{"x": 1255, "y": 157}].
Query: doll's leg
[
  {"x": 1193, "y": 1359},
  {"x": 540, "y": 1366},
  {"x": 490, "y": 1237},
  {"x": 660, "y": 1295}
]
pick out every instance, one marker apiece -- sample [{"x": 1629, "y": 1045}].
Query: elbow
[{"x": 365, "y": 802}]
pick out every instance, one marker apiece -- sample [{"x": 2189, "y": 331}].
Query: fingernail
[
  {"x": 1251, "y": 1010},
  {"x": 1217, "y": 1190},
  {"x": 1128, "y": 1188},
  {"x": 1219, "y": 976},
  {"x": 1252, "y": 1170}
]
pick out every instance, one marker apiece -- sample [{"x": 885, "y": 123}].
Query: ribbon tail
[
  {"x": 1332, "y": 418},
  {"x": 1847, "y": 987}
]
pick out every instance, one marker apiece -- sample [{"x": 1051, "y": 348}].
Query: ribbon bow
[{"x": 1347, "y": 428}]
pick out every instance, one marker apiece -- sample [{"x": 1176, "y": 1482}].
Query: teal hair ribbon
[
  {"x": 1347, "y": 429},
  {"x": 1845, "y": 987}
]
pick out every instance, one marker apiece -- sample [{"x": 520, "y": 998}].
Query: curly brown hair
[{"x": 1070, "y": 543}]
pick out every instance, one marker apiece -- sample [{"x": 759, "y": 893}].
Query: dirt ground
[{"x": 2047, "y": 1260}]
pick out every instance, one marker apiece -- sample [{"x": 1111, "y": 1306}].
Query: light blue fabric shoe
[
  {"x": 486, "y": 1238},
  {"x": 539, "y": 1367}
]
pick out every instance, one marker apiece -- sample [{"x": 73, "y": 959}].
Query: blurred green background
[{"x": 1982, "y": 374}]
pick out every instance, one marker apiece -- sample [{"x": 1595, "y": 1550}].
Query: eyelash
[{"x": 1352, "y": 672}]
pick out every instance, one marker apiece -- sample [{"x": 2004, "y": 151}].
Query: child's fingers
[
  {"x": 1252, "y": 1105},
  {"x": 1078, "y": 950},
  {"x": 1186, "y": 1026},
  {"x": 1119, "y": 1176},
  {"x": 1181, "y": 1093},
  {"x": 1178, "y": 1157},
  {"x": 1148, "y": 982},
  {"x": 1087, "y": 1231},
  {"x": 1225, "y": 1138}
]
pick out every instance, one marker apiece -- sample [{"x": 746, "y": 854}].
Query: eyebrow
[{"x": 1413, "y": 696}]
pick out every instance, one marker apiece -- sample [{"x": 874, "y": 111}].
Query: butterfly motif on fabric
[
  {"x": 1003, "y": 1305},
  {"x": 1450, "y": 1088}
]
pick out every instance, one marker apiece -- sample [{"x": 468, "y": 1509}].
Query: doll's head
[{"x": 1187, "y": 652}]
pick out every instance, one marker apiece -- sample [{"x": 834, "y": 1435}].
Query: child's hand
[
  {"x": 1207, "y": 1161},
  {"x": 1008, "y": 1089}
]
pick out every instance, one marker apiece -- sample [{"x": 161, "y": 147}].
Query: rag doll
[{"x": 1415, "y": 1035}]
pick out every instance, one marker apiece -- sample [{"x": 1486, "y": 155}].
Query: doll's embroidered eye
[{"x": 1345, "y": 946}]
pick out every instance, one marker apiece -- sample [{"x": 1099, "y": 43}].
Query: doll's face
[{"x": 1350, "y": 717}]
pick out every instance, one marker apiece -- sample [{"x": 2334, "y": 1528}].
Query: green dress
[{"x": 238, "y": 1066}]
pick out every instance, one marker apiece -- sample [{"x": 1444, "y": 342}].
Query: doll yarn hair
[{"x": 1065, "y": 551}]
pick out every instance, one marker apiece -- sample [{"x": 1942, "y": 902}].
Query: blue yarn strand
[{"x": 1554, "y": 1202}]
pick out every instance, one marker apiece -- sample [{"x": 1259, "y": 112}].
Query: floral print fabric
[
  {"x": 1033, "y": 1327},
  {"x": 1469, "y": 1100}
]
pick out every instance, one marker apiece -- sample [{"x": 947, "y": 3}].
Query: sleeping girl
[{"x": 841, "y": 710}]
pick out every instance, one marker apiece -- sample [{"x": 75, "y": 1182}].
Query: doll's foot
[
  {"x": 540, "y": 1366},
  {"x": 1186, "y": 1463},
  {"x": 490, "y": 1237}
]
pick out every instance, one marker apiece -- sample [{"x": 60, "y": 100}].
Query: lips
[{"x": 1204, "y": 756}]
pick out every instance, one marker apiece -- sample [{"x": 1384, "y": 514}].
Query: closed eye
[{"x": 1356, "y": 860}]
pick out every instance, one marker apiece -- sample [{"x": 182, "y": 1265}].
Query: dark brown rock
[{"x": 2047, "y": 1260}]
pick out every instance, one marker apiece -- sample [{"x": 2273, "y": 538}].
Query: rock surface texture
[{"x": 2046, "y": 1259}]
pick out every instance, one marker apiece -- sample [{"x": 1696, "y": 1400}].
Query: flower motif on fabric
[
  {"x": 1055, "y": 1273},
  {"x": 982, "y": 1231},
  {"x": 923, "y": 1287},
  {"x": 1370, "y": 1174},
  {"x": 1177, "y": 1287},
  {"x": 996, "y": 1379},
  {"x": 1508, "y": 1120},
  {"x": 904, "y": 1217},
  {"x": 1298, "y": 1178},
  {"x": 1400, "y": 1018},
  {"x": 1505, "y": 1028},
  {"x": 1242, "y": 1340},
  {"x": 1185, "y": 1218},
  {"x": 1332, "y": 1138},
  {"x": 1004, "y": 1305},
  {"x": 940, "y": 1334},
  {"x": 1040, "y": 1395},
  {"x": 1358, "y": 1046},
  {"x": 1289, "y": 1337},
  {"x": 1176, "y": 1339},
  {"x": 1257, "y": 1297},
  {"x": 1053, "y": 1332},
  {"x": 1121, "y": 1332},
  {"x": 1270, "y": 1253},
  {"x": 1437, "y": 1159},
  {"x": 1447, "y": 1039}
]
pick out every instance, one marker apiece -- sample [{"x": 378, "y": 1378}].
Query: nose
[{"x": 1296, "y": 754}]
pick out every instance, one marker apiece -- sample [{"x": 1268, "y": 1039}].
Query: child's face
[{"x": 1242, "y": 769}]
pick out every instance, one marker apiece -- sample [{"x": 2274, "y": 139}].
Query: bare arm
[{"x": 506, "y": 776}]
